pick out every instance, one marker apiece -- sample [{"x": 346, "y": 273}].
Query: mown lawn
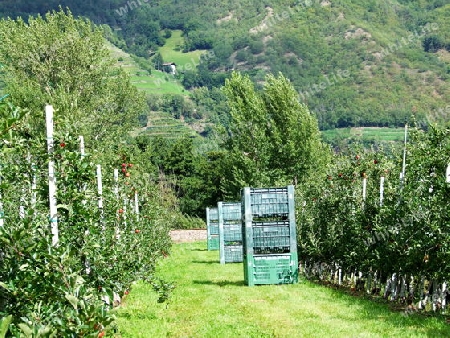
[
  {"x": 211, "y": 300},
  {"x": 157, "y": 82},
  {"x": 172, "y": 52}
]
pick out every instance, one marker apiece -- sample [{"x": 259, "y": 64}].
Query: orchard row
[
  {"x": 72, "y": 241},
  {"x": 382, "y": 217}
]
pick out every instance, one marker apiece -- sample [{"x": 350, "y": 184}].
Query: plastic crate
[
  {"x": 230, "y": 231},
  {"x": 233, "y": 254},
  {"x": 212, "y": 228},
  {"x": 269, "y": 202},
  {"x": 271, "y": 269},
  {"x": 213, "y": 242},
  {"x": 213, "y": 214},
  {"x": 269, "y": 241},
  {"x": 266, "y": 236},
  {"x": 273, "y": 237},
  {"x": 231, "y": 212}
]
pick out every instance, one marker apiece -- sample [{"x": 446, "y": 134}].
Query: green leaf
[
  {"x": 4, "y": 285},
  {"x": 4, "y": 324},
  {"x": 63, "y": 206},
  {"x": 44, "y": 331},
  {"x": 73, "y": 300},
  {"x": 26, "y": 330},
  {"x": 23, "y": 267}
]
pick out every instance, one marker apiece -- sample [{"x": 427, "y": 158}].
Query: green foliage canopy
[
  {"x": 272, "y": 136},
  {"x": 62, "y": 60}
]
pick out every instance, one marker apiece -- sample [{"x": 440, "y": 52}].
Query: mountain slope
[{"x": 354, "y": 64}]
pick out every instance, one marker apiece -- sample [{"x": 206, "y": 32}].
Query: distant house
[{"x": 170, "y": 67}]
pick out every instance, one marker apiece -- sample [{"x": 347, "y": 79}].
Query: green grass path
[{"x": 211, "y": 300}]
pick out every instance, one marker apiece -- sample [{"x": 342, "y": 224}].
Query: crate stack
[
  {"x": 212, "y": 228},
  {"x": 230, "y": 232},
  {"x": 269, "y": 236}
]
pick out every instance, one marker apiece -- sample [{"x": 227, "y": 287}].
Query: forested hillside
[
  {"x": 372, "y": 64},
  {"x": 354, "y": 64},
  {"x": 88, "y": 195}
]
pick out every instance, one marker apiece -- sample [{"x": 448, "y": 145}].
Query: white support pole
[
  {"x": 51, "y": 177},
  {"x": 131, "y": 201},
  {"x": 369, "y": 282},
  {"x": 82, "y": 146},
  {"x": 22, "y": 196},
  {"x": 22, "y": 207},
  {"x": 33, "y": 186},
  {"x": 402, "y": 177},
  {"x": 381, "y": 190},
  {"x": 100, "y": 187},
  {"x": 116, "y": 192},
  {"x": 364, "y": 188},
  {"x": 100, "y": 194},
  {"x": 447, "y": 174},
  {"x": 83, "y": 188},
  {"x": 421, "y": 292}
]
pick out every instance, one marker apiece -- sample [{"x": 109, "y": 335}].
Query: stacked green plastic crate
[
  {"x": 212, "y": 228},
  {"x": 230, "y": 232},
  {"x": 269, "y": 236}
]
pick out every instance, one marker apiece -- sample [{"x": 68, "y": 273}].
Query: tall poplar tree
[{"x": 273, "y": 138}]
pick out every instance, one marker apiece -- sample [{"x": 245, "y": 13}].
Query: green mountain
[{"x": 371, "y": 63}]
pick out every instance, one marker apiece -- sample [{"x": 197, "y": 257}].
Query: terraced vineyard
[
  {"x": 159, "y": 123},
  {"x": 367, "y": 134},
  {"x": 163, "y": 125}
]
